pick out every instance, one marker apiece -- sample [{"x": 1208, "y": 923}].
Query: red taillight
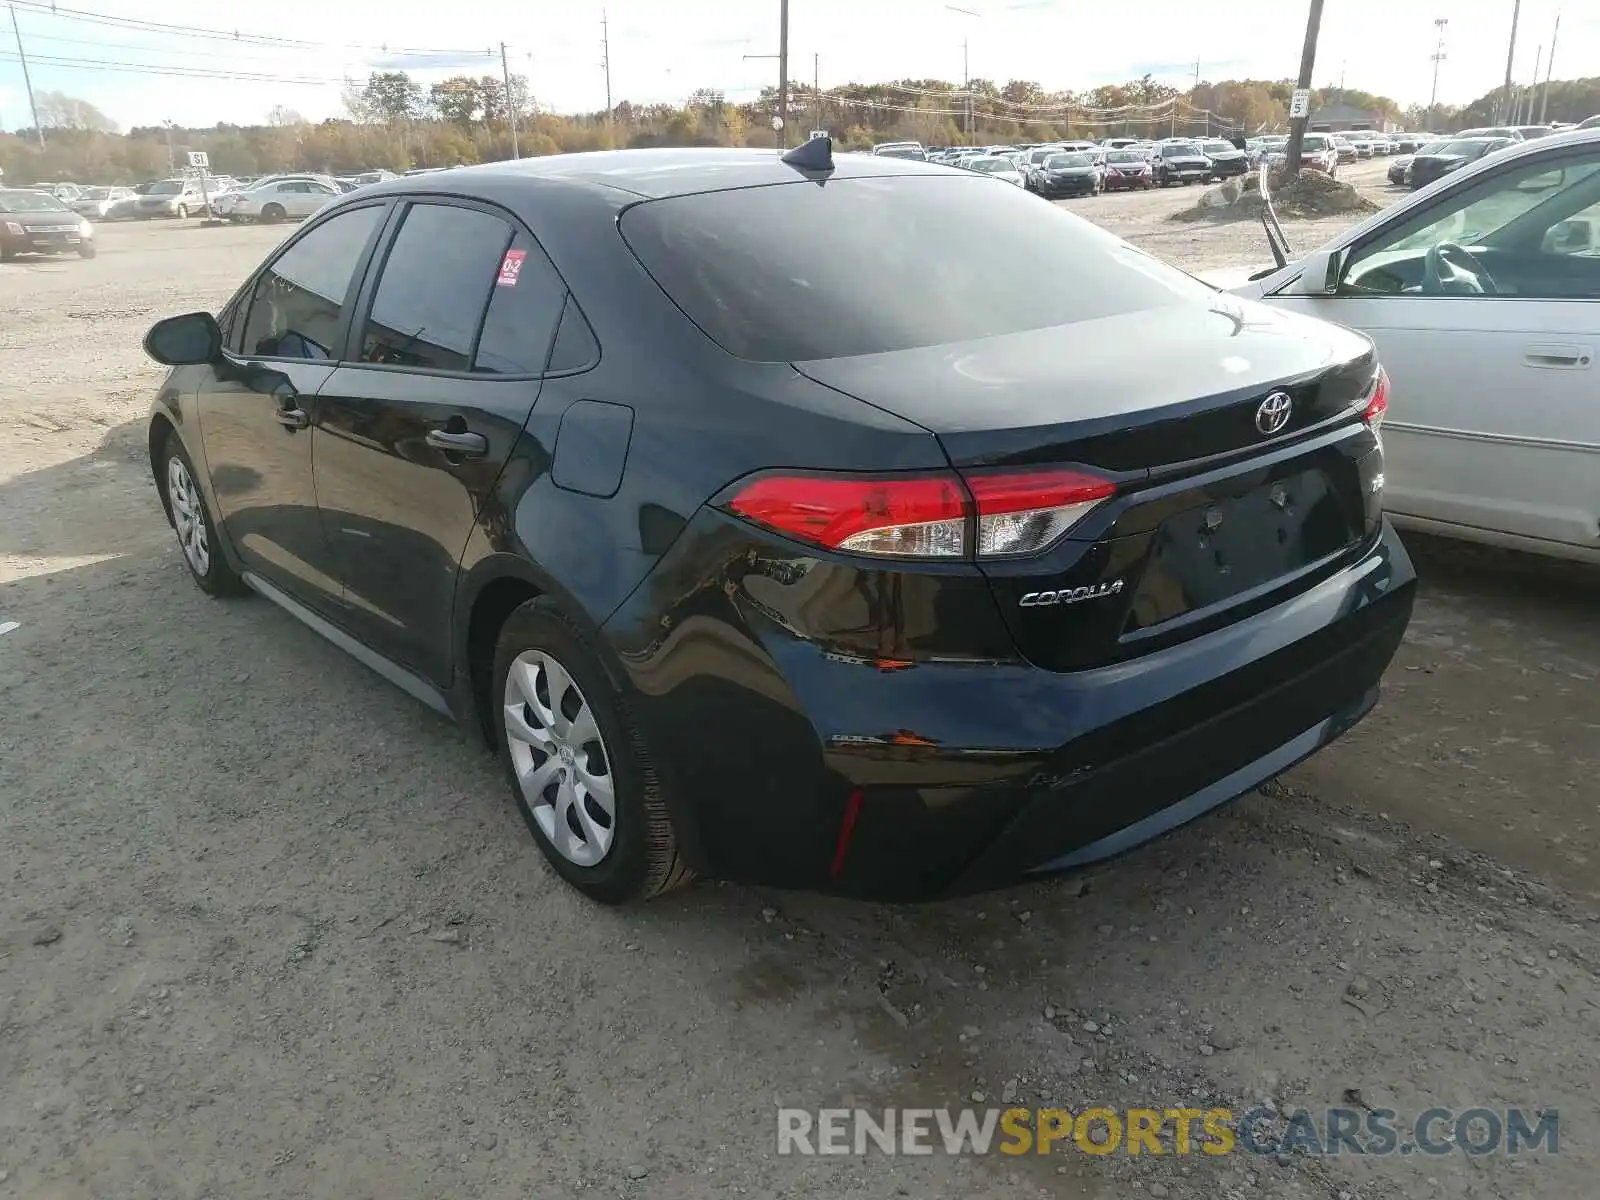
[
  {"x": 925, "y": 516},
  {"x": 914, "y": 516},
  {"x": 1378, "y": 400}
]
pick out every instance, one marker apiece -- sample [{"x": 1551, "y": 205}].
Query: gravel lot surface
[{"x": 270, "y": 928}]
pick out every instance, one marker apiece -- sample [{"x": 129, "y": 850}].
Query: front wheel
[
  {"x": 197, "y": 533},
  {"x": 580, "y": 770},
  {"x": 85, "y": 249},
  {"x": 183, "y": 212},
  {"x": 272, "y": 214}
]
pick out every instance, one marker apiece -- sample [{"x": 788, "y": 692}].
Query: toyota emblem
[{"x": 1274, "y": 412}]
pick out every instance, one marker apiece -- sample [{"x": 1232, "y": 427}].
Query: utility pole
[
  {"x": 511, "y": 108},
  {"x": 816, "y": 88},
  {"x": 783, "y": 73},
  {"x": 605, "y": 61},
  {"x": 1532, "y": 89},
  {"x": 172, "y": 159},
  {"x": 38, "y": 129},
  {"x": 966, "y": 88},
  {"x": 1438, "y": 57},
  {"x": 1308, "y": 63},
  {"x": 1549, "y": 71},
  {"x": 1504, "y": 107},
  {"x": 1195, "y": 97}
]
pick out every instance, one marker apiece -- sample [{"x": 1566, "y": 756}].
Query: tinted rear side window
[
  {"x": 524, "y": 306},
  {"x": 434, "y": 287},
  {"x": 861, "y": 266}
]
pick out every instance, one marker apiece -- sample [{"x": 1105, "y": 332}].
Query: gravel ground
[{"x": 269, "y": 928}]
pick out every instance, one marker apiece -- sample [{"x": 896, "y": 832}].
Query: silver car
[
  {"x": 287, "y": 197},
  {"x": 171, "y": 198},
  {"x": 97, "y": 203}
]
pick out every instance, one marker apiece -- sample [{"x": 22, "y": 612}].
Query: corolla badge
[
  {"x": 1274, "y": 413},
  {"x": 1077, "y": 595}
]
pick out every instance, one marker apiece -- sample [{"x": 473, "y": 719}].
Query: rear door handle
[
  {"x": 473, "y": 445},
  {"x": 292, "y": 418},
  {"x": 1558, "y": 356}
]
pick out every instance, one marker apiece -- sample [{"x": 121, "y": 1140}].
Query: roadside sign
[
  {"x": 1300, "y": 103},
  {"x": 199, "y": 158}
]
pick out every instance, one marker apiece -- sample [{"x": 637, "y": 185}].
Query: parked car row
[
  {"x": 1083, "y": 168},
  {"x": 1440, "y": 157}
]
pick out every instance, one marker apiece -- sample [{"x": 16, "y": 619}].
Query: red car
[{"x": 1126, "y": 170}]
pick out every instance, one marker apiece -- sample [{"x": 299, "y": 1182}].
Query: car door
[
  {"x": 1494, "y": 420},
  {"x": 455, "y": 327},
  {"x": 257, "y": 404},
  {"x": 316, "y": 195}
]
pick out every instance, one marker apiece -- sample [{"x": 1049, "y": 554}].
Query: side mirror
[
  {"x": 186, "y": 340},
  {"x": 1320, "y": 274}
]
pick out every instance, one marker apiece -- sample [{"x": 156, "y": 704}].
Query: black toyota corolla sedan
[{"x": 766, "y": 539}]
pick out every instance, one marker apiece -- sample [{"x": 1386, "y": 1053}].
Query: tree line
[{"x": 393, "y": 121}]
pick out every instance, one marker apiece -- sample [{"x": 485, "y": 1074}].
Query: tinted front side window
[
  {"x": 297, "y": 302},
  {"x": 524, "y": 305},
  {"x": 795, "y": 271},
  {"x": 434, "y": 287}
]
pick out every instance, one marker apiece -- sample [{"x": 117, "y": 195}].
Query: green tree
[
  {"x": 392, "y": 96},
  {"x": 457, "y": 100}
]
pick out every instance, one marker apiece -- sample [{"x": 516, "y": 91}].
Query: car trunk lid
[{"x": 1227, "y": 497}]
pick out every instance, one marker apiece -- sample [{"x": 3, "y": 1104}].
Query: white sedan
[
  {"x": 277, "y": 200},
  {"x": 1482, "y": 295},
  {"x": 1000, "y": 168}
]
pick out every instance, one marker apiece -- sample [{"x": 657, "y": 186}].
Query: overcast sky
[{"x": 663, "y": 50}]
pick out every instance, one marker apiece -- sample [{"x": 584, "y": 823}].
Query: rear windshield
[{"x": 792, "y": 272}]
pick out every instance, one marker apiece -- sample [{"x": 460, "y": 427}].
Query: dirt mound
[
  {"x": 1314, "y": 194},
  {"x": 1306, "y": 194}
]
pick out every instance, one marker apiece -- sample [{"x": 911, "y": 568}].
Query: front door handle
[
  {"x": 472, "y": 445},
  {"x": 292, "y": 418},
  {"x": 1561, "y": 356}
]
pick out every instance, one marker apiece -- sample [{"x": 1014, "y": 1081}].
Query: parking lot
[{"x": 270, "y": 928}]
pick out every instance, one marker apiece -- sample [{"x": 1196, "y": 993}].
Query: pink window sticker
[{"x": 511, "y": 268}]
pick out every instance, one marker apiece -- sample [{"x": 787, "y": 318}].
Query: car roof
[{"x": 650, "y": 174}]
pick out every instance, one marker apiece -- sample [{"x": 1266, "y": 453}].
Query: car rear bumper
[{"x": 914, "y": 781}]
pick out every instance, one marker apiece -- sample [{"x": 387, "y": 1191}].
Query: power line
[
  {"x": 181, "y": 72},
  {"x": 201, "y": 52},
  {"x": 234, "y": 35}
]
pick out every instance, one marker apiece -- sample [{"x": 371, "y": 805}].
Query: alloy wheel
[
  {"x": 559, "y": 758},
  {"x": 188, "y": 517}
]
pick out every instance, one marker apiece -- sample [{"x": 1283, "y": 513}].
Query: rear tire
[
  {"x": 568, "y": 742},
  {"x": 191, "y": 520},
  {"x": 183, "y": 212}
]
